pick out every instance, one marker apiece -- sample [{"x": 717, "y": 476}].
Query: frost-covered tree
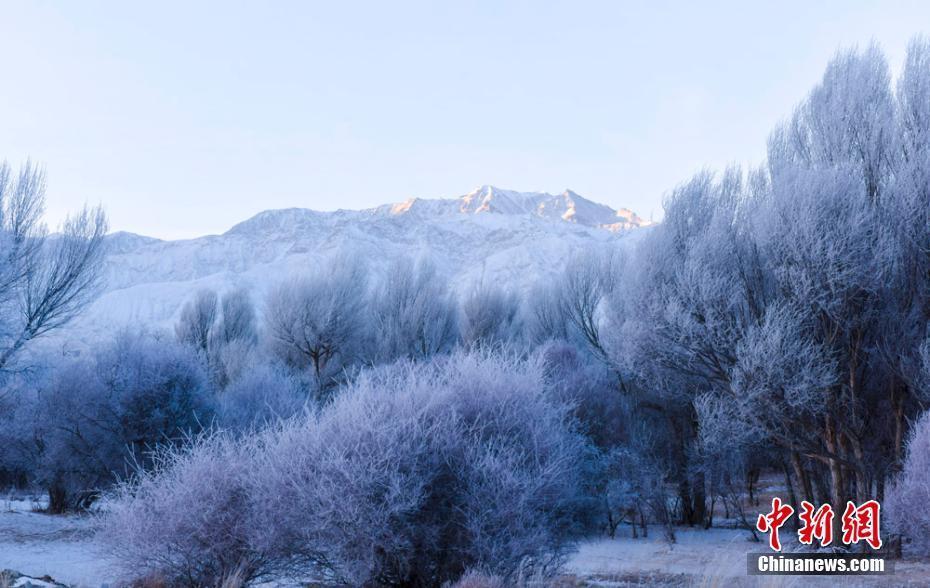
[
  {"x": 45, "y": 280},
  {"x": 587, "y": 282},
  {"x": 853, "y": 259},
  {"x": 570, "y": 307},
  {"x": 908, "y": 219},
  {"x": 847, "y": 120},
  {"x": 792, "y": 300},
  {"x": 237, "y": 321},
  {"x": 223, "y": 330},
  {"x": 100, "y": 418},
  {"x": 694, "y": 287},
  {"x": 317, "y": 322},
  {"x": 197, "y": 322},
  {"x": 543, "y": 314},
  {"x": 414, "y": 312},
  {"x": 489, "y": 316}
]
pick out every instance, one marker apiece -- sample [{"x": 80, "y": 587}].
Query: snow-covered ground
[
  {"x": 62, "y": 547},
  {"x": 707, "y": 558},
  {"x": 712, "y": 551}
]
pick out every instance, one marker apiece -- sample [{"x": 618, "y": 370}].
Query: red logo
[
  {"x": 816, "y": 525},
  {"x": 773, "y": 521},
  {"x": 861, "y": 523}
]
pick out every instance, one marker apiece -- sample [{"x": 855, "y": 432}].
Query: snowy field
[{"x": 62, "y": 547}]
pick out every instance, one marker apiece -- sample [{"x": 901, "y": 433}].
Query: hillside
[{"x": 511, "y": 238}]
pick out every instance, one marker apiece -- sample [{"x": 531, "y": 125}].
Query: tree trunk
[
  {"x": 752, "y": 476},
  {"x": 837, "y": 496},
  {"x": 57, "y": 498},
  {"x": 803, "y": 479},
  {"x": 792, "y": 495},
  {"x": 699, "y": 506},
  {"x": 684, "y": 497},
  {"x": 898, "y": 402},
  {"x": 709, "y": 519},
  {"x": 863, "y": 488}
]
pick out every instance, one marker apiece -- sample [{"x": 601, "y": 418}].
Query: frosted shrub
[
  {"x": 907, "y": 498},
  {"x": 601, "y": 408},
  {"x": 260, "y": 395},
  {"x": 412, "y": 475},
  {"x": 184, "y": 522},
  {"x": 100, "y": 417},
  {"x": 489, "y": 316},
  {"x": 418, "y": 472},
  {"x": 476, "y": 579}
]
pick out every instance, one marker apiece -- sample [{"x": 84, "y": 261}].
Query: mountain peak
[
  {"x": 484, "y": 189},
  {"x": 569, "y": 206}
]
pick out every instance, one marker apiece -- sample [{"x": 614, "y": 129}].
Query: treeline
[
  {"x": 779, "y": 316},
  {"x": 393, "y": 431}
]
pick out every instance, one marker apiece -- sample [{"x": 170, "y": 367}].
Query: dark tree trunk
[
  {"x": 803, "y": 479},
  {"x": 792, "y": 495},
  {"x": 57, "y": 498}
]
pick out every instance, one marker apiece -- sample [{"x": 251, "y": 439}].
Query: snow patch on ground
[
  {"x": 709, "y": 558},
  {"x": 63, "y": 547},
  {"x": 717, "y": 552}
]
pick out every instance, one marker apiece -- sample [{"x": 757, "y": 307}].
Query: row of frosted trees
[{"x": 783, "y": 311}]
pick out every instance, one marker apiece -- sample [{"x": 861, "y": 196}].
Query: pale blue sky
[{"x": 184, "y": 118}]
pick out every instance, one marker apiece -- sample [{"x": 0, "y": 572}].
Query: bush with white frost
[
  {"x": 489, "y": 316},
  {"x": 99, "y": 418},
  {"x": 414, "y": 474},
  {"x": 907, "y": 498},
  {"x": 185, "y": 522},
  {"x": 262, "y": 394}
]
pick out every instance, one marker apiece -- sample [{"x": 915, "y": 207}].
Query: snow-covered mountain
[
  {"x": 567, "y": 206},
  {"x": 510, "y": 238}
]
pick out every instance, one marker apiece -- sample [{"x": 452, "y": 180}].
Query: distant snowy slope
[{"x": 510, "y": 238}]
